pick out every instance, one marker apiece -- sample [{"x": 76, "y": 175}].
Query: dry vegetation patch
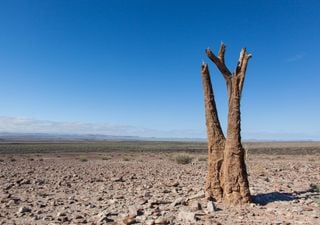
[
  {"x": 203, "y": 158},
  {"x": 183, "y": 158}
]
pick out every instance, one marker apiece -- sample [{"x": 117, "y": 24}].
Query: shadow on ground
[{"x": 264, "y": 199}]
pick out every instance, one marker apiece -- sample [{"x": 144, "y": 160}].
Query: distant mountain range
[{"x": 46, "y": 137}]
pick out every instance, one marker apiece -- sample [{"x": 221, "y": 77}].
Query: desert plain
[{"x": 135, "y": 182}]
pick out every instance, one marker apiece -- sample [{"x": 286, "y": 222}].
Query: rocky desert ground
[{"x": 151, "y": 188}]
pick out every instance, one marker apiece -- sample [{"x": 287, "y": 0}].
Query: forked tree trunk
[{"x": 227, "y": 179}]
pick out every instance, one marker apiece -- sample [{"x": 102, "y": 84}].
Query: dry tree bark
[{"x": 227, "y": 179}]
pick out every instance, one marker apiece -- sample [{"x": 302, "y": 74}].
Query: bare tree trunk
[
  {"x": 216, "y": 139},
  {"x": 227, "y": 176},
  {"x": 235, "y": 181}
]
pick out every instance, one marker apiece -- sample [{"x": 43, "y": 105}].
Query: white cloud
[
  {"x": 296, "y": 57},
  {"x": 29, "y": 125}
]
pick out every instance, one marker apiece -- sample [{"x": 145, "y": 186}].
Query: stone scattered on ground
[{"x": 150, "y": 188}]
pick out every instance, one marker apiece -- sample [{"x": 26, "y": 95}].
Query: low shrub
[
  {"x": 83, "y": 159},
  {"x": 183, "y": 158},
  {"x": 314, "y": 188},
  {"x": 203, "y": 158}
]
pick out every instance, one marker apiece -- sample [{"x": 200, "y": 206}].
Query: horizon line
[{"x": 105, "y": 137}]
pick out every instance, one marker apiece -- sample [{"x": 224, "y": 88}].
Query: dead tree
[{"x": 227, "y": 179}]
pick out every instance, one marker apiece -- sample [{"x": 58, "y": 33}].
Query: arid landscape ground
[{"x": 152, "y": 183}]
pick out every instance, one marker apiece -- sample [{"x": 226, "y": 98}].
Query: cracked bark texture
[{"x": 227, "y": 179}]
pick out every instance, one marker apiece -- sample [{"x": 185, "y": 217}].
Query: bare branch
[
  {"x": 242, "y": 67},
  {"x": 240, "y": 61},
  {"x": 220, "y": 65},
  {"x": 221, "y": 52},
  {"x": 204, "y": 68}
]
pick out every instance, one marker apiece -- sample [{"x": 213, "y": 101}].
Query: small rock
[
  {"x": 129, "y": 220},
  {"x": 173, "y": 184},
  {"x": 161, "y": 221},
  {"x": 11, "y": 202},
  {"x": 149, "y": 222},
  {"x": 71, "y": 198},
  {"x": 8, "y": 186},
  {"x": 103, "y": 217},
  {"x": 25, "y": 181},
  {"x": 147, "y": 194},
  {"x": 78, "y": 217},
  {"x": 156, "y": 212},
  {"x": 211, "y": 207},
  {"x": 39, "y": 182},
  {"x": 63, "y": 219},
  {"x": 309, "y": 201},
  {"x": 178, "y": 201},
  {"x": 61, "y": 214},
  {"x": 166, "y": 191},
  {"x": 112, "y": 201},
  {"x": 24, "y": 209},
  {"x": 141, "y": 219},
  {"x": 41, "y": 204},
  {"x": 119, "y": 196},
  {"x": 186, "y": 216},
  {"x": 16, "y": 200},
  {"x": 142, "y": 201},
  {"x": 117, "y": 179},
  {"x": 306, "y": 208},
  {"x": 48, "y": 218},
  {"x": 195, "y": 206},
  {"x": 200, "y": 194},
  {"x": 135, "y": 210}
]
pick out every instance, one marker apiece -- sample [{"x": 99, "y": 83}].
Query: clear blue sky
[{"x": 132, "y": 67}]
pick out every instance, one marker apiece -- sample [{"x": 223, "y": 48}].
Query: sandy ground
[{"x": 150, "y": 188}]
